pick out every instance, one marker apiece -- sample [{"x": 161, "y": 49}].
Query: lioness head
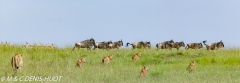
[
  {"x": 138, "y": 54},
  {"x": 145, "y": 68},
  {"x": 110, "y": 57}
]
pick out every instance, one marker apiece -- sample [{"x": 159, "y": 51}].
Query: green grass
[{"x": 165, "y": 66}]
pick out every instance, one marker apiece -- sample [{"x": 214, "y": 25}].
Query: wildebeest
[
  {"x": 178, "y": 45},
  {"x": 147, "y": 45},
  {"x": 103, "y": 45},
  {"x": 164, "y": 45},
  {"x": 194, "y": 45},
  {"x": 85, "y": 44},
  {"x": 140, "y": 44},
  {"x": 213, "y": 46},
  {"x": 117, "y": 44}
]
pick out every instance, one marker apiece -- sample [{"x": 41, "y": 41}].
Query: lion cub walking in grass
[
  {"x": 191, "y": 66},
  {"x": 107, "y": 59},
  {"x": 17, "y": 62},
  {"x": 136, "y": 56},
  {"x": 144, "y": 71},
  {"x": 80, "y": 62}
]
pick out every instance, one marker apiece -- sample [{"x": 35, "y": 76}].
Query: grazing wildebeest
[
  {"x": 178, "y": 45},
  {"x": 164, "y": 45},
  {"x": 103, "y": 45},
  {"x": 194, "y": 45},
  {"x": 140, "y": 44},
  {"x": 85, "y": 44},
  {"x": 147, "y": 45},
  {"x": 117, "y": 44},
  {"x": 213, "y": 46}
]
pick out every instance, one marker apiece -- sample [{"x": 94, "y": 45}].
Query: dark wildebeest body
[
  {"x": 85, "y": 44},
  {"x": 147, "y": 45},
  {"x": 213, "y": 46},
  {"x": 178, "y": 45},
  {"x": 165, "y": 45},
  {"x": 140, "y": 44},
  {"x": 194, "y": 46},
  {"x": 103, "y": 45},
  {"x": 117, "y": 44}
]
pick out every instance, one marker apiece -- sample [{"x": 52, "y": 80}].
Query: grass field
[{"x": 165, "y": 66}]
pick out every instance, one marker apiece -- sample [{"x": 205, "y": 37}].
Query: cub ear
[{"x": 21, "y": 54}]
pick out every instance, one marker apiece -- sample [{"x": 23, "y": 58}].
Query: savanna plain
[{"x": 165, "y": 66}]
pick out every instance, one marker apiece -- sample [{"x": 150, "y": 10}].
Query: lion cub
[
  {"x": 136, "y": 56},
  {"x": 107, "y": 59},
  {"x": 17, "y": 62},
  {"x": 191, "y": 66},
  {"x": 80, "y": 62},
  {"x": 144, "y": 71}
]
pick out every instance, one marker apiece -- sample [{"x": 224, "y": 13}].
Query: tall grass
[{"x": 165, "y": 66}]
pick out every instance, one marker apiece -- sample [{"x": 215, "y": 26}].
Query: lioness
[
  {"x": 17, "y": 62},
  {"x": 144, "y": 71},
  {"x": 191, "y": 66},
  {"x": 136, "y": 56},
  {"x": 107, "y": 59},
  {"x": 80, "y": 62}
]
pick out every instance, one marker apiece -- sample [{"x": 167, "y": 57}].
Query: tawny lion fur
[
  {"x": 136, "y": 56},
  {"x": 191, "y": 66},
  {"x": 144, "y": 71},
  {"x": 17, "y": 62},
  {"x": 107, "y": 59},
  {"x": 80, "y": 62}
]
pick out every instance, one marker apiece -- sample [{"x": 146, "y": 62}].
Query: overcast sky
[{"x": 64, "y": 22}]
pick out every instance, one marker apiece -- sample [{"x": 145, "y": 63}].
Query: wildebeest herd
[{"x": 90, "y": 43}]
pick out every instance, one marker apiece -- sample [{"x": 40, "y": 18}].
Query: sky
[{"x": 65, "y": 22}]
